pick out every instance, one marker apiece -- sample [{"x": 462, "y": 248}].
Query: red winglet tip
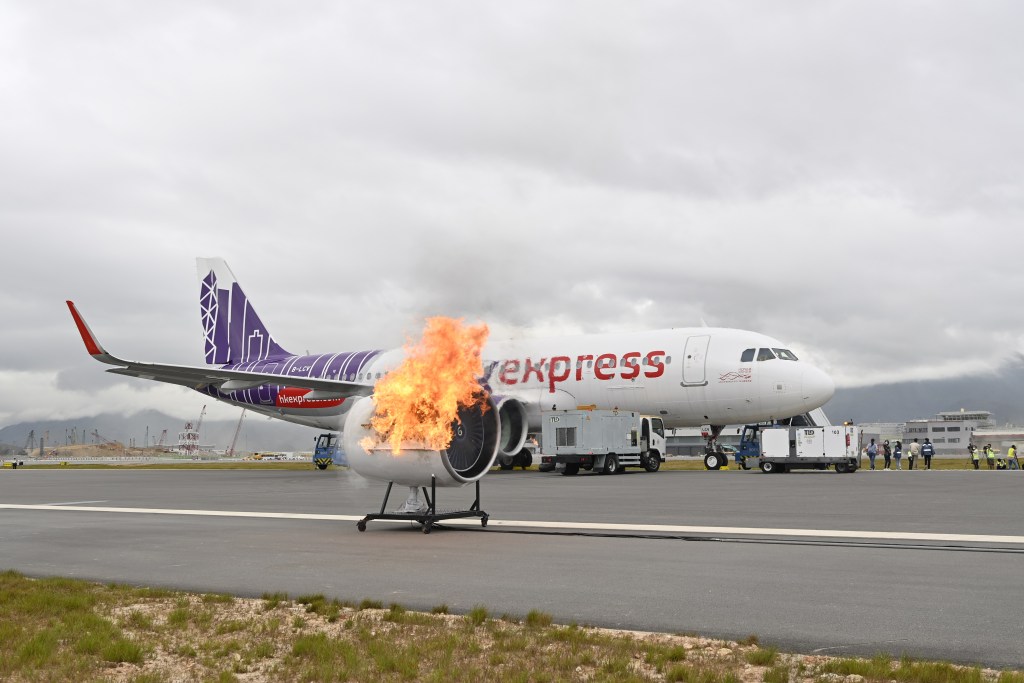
[{"x": 91, "y": 345}]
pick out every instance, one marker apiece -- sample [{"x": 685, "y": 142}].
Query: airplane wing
[{"x": 199, "y": 377}]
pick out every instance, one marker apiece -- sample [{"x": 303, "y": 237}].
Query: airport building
[
  {"x": 1000, "y": 438},
  {"x": 950, "y": 432}
]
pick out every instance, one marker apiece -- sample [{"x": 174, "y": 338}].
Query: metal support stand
[{"x": 414, "y": 511}]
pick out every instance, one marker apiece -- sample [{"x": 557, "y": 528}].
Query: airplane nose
[{"x": 818, "y": 388}]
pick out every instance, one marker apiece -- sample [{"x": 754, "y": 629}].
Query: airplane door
[
  {"x": 694, "y": 360},
  {"x": 263, "y": 391}
]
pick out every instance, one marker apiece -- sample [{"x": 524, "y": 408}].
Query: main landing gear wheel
[
  {"x": 571, "y": 469},
  {"x": 611, "y": 464},
  {"x": 651, "y": 461},
  {"x": 714, "y": 461}
]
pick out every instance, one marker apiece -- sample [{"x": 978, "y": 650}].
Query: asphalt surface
[{"x": 956, "y": 599}]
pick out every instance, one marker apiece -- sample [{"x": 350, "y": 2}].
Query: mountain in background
[
  {"x": 1000, "y": 393},
  {"x": 258, "y": 434}
]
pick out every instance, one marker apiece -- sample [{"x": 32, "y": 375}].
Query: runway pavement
[{"x": 924, "y": 563}]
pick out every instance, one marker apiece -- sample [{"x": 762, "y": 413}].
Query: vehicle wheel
[
  {"x": 525, "y": 458},
  {"x": 426, "y": 527},
  {"x": 611, "y": 464},
  {"x": 571, "y": 469},
  {"x": 714, "y": 461},
  {"x": 842, "y": 467},
  {"x": 545, "y": 468},
  {"x": 651, "y": 461},
  {"x": 321, "y": 466},
  {"x": 361, "y": 525},
  {"x": 768, "y": 467},
  {"x": 744, "y": 464},
  {"x": 506, "y": 465},
  {"x": 483, "y": 520}
]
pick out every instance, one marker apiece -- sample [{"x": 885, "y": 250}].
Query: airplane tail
[{"x": 234, "y": 333}]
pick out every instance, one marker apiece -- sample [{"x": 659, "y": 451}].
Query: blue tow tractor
[{"x": 328, "y": 451}]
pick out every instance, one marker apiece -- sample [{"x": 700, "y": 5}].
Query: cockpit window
[
  {"x": 748, "y": 355},
  {"x": 765, "y": 354},
  {"x": 785, "y": 354}
]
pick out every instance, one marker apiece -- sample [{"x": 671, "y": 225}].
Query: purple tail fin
[{"x": 234, "y": 333}]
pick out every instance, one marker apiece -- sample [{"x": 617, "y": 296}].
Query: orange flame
[{"x": 419, "y": 400}]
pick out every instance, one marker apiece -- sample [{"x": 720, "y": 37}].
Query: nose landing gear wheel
[{"x": 714, "y": 461}]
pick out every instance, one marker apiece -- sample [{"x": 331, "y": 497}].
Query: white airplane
[{"x": 687, "y": 376}]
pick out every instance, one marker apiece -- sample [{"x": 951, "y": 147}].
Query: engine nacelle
[
  {"x": 514, "y": 425},
  {"x": 469, "y": 456}
]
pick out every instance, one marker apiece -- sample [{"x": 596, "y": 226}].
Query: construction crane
[
  {"x": 163, "y": 437},
  {"x": 100, "y": 439},
  {"x": 199, "y": 423},
  {"x": 30, "y": 441},
  {"x": 234, "y": 439}
]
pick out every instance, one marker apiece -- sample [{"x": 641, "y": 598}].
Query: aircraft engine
[
  {"x": 514, "y": 428},
  {"x": 469, "y": 456}
]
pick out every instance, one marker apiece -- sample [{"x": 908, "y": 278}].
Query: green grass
[
  {"x": 762, "y": 656},
  {"x": 59, "y": 630}
]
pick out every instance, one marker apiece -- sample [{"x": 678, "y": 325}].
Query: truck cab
[{"x": 328, "y": 452}]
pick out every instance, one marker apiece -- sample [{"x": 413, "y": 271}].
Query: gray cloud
[{"x": 843, "y": 176}]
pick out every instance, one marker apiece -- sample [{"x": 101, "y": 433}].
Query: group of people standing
[
  {"x": 895, "y": 452},
  {"x": 926, "y": 450},
  {"x": 992, "y": 458}
]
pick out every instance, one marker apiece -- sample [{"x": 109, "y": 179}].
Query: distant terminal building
[
  {"x": 1001, "y": 438},
  {"x": 881, "y": 432},
  {"x": 951, "y": 432}
]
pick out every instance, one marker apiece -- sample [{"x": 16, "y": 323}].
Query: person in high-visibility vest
[
  {"x": 975, "y": 458},
  {"x": 1011, "y": 458},
  {"x": 990, "y": 456}
]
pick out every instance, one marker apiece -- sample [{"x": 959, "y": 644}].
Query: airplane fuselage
[{"x": 688, "y": 376}]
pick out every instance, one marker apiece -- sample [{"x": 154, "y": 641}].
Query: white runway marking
[{"x": 569, "y": 526}]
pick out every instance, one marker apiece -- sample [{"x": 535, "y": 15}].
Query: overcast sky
[{"x": 845, "y": 176}]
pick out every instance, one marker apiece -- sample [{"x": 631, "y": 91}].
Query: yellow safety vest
[{"x": 1012, "y": 453}]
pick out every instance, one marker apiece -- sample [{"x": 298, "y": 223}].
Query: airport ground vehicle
[
  {"x": 780, "y": 449},
  {"x": 328, "y": 451},
  {"x": 605, "y": 441}
]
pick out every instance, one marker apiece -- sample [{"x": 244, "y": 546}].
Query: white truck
[
  {"x": 787, "y": 448},
  {"x": 605, "y": 441}
]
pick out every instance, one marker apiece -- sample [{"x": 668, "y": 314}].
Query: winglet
[{"x": 92, "y": 345}]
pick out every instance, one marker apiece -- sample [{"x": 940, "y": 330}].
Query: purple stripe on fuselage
[{"x": 318, "y": 365}]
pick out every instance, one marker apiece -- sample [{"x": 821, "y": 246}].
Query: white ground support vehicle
[
  {"x": 788, "y": 448},
  {"x": 604, "y": 441}
]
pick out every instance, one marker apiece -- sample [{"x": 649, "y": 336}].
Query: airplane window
[
  {"x": 765, "y": 354},
  {"x": 360, "y": 375},
  {"x": 590, "y": 364},
  {"x": 785, "y": 354},
  {"x": 748, "y": 355},
  {"x": 668, "y": 359}
]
